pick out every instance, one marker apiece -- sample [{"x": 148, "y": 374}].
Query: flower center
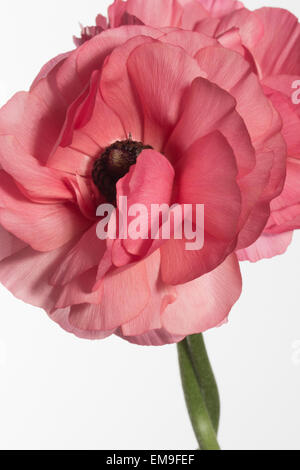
[{"x": 113, "y": 164}]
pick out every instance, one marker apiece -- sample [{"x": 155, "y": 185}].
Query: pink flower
[{"x": 202, "y": 131}]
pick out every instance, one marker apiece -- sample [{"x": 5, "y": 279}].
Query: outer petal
[
  {"x": 43, "y": 227},
  {"x": 205, "y": 302},
  {"x": 152, "y": 338},
  {"x": 49, "y": 66},
  {"x": 92, "y": 54},
  {"x": 61, "y": 316},
  {"x": 155, "y": 13},
  {"x": 9, "y": 244},
  {"x": 285, "y": 214},
  {"x": 39, "y": 183},
  {"x": 266, "y": 246},
  {"x": 26, "y": 273},
  {"x": 289, "y": 114},
  {"x": 161, "y": 296},
  {"x": 278, "y": 52},
  {"x": 86, "y": 254},
  {"x": 30, "y": 120},
  {"x": 219, "y": 8},
  {"x": 124, "y": 294},
  {"x": 233, "y": 73}
]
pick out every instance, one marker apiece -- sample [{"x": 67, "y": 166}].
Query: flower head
[{"x": 159, "y": 117}]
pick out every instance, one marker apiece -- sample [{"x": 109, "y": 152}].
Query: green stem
[
  {"x": 195, "y": 391},
  {"x": 206, "y": 378}
]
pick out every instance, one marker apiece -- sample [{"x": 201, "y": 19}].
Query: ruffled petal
[
  {"x": 37, "y": 182},
  {"x": 210, "y": 108},
  {"x": 267, "y": 246},
  {"x": 156, "y": 13},
  {"x": 149, "y": 182},
  {"x": 278, "y": 52},
  {"x": 86, "y": 254},
  {"x": 26, "y": 273},
  {"x": 207, "y": 175},
  {"x": 30, "y": 120},
  {"x": 43, "y": 227},
  {"x": 190, "y": 41},
  {"x": 205, "y": 302},
  {"x": 172, "y": 71},
  {"x": 117, "y": 90},
  {"x": 124, "y": 294}
]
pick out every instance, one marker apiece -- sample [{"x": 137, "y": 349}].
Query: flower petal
[
  {"x": 266, "y": 246},
  {"x": 205, "y": 302},
  {"x": 43, "y": 227},
  {"x": 172, "y": 73}
]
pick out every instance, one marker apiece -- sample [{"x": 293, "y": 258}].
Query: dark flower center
[{"x": 113, "y": 164}]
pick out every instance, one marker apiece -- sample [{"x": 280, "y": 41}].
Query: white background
[{"x": 59, "y": 392}]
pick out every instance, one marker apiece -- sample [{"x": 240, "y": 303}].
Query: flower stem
[{"x": 200, "y": 390}]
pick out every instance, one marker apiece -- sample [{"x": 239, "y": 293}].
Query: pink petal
[
  {"x": 221, "y": 7},
  {"x": 71, "y": 161},
  {"x": 266, "y": 246},
  {"x": 9, "y": 244},
  {"x": 291, "y": 192},
  {"x": 39, "y": 183},
  {"x": 124, "y": 294},
  {"x": 31, "y": 121},
  {"x": 155, "y": 13},
  {"x": 291, "y": 120},
  {"x": 233, "y": 73},
  {"x": 207, "y": 175},
  {"x": 48, "y": 67},
  {"x": 210, "y": 108},
  {"x": 116, "y": 12},
  {"x": 161, "y": 296},
  {"x": 43, "y": 227},
  {"x": 149, "y": 182},
  {"x": 92, "y": 54},
  {"x": 86, "y": 254},
  {"x": 172, "y": 73},
  {"x": 190, "y": 41},
  {"x": 193, "y": 12},
  {"x": 278, "y": 53},
  {"x": 205, "y": 302},
  {"x": 248, "y": 23},
  {"x": 61, "y": 317},
  {"x": 153, "y": 338},
  {"x": 27, "y": 274},
  {"x": 117, "y": 91}
]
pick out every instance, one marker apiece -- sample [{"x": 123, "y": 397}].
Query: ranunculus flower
[{"x": 200, "y": 129}]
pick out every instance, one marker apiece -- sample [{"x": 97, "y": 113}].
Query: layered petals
[{"x": 169, "y": 104}]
